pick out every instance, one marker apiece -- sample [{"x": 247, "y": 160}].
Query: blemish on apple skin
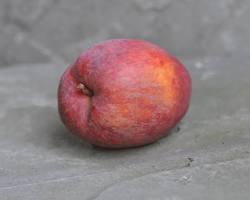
[{"x": 84, "y": 89}]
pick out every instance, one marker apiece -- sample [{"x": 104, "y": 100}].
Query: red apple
[{"x": 123, "y": 93}]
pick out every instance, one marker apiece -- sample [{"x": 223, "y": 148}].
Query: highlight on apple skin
[{"x": 123, "y": 93}]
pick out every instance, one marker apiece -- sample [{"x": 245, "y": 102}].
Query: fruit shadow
[
  {"x": 76, "y": 147},
  {"x": 49, "y": 134},
  {"x": 52, "y": 136},
  {"x": 73, "y": 146}
]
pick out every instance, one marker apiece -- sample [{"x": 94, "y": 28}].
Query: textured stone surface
[
  {"x": 58, "y": 30},
  {"x": 208, "y": 158},
  {"x": 16, "y": 47}
]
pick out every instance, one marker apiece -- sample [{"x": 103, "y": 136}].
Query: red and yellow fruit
[{"x": 123, "y": 93}]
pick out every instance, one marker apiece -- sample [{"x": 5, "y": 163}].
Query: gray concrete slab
[{"x": 208, "y": 158}]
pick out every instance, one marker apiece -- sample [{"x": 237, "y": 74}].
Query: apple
[{"x": 123, "y": 93}]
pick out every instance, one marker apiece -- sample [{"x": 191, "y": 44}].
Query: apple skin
[{"x": 123, "y": 93}]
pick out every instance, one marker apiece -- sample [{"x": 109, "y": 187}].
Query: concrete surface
[
  {"x": 34, "y": 31},
  {"x": 207, "y": 158}
]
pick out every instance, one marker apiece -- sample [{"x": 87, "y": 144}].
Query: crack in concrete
[
  {"x": 41, "y": 183},
  {"x": 156, "y": 172},
  {"x": 96, "y": 196}
]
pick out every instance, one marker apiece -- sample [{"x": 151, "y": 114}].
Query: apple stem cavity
[{"x": 86, "y": 91}]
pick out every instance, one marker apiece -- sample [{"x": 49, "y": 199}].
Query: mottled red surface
[{"x": 123, "y": 93}]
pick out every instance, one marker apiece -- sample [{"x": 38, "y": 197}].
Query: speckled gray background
[{"x": 47, "y": 30}]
